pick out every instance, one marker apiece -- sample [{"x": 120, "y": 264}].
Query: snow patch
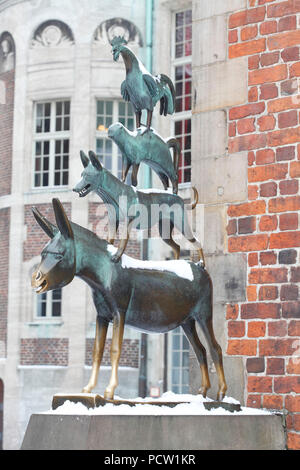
[
  {"x": 181, "y": 268},
  {"x": 194, "y": 406}
]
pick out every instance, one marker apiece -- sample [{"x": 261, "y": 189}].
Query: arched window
[
  {"x": 52, "y": 33},
  {"x": 108, "y": 29},
  {"x": 7, "y": 52}
]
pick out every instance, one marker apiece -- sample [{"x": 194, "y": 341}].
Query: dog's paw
[{"x": 115, "y": 258}]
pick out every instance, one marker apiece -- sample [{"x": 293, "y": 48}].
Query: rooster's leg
[
  {"x": 149, "y": 118},
  {"x": 138, "y": 116}
]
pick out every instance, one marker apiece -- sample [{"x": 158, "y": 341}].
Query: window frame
[
  {"x": 49, "y": 306},
  {"x": 52, "y": 136},
  {"x": 176, "y": 62}
]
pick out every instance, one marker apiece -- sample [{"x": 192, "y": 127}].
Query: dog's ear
[
  {"x": 95, "y": 160},
  {"x": 84, "y": 159}
]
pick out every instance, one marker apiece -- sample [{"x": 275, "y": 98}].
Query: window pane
[
  {"x": 183, "y": 134},
  {"x": 176, "y": 359},
  {"x": 58, "y": 109},
  {"x": 67, "y": 107},
  {"x": 65, "y": 181},
  {"x": 121, "y": 108},
  {"x": 175, "y": 376},
  {"x": 179, "y": 362},
  {"x": 179, "y": 18},
  {"x": 66, "y": 124},
  {"x": 109, "y": 107},
  {"x": 58, "y": 124},
  {"x": 183, "y": 34},
  {"x": 56, "y": 309},
  {"x": 41, "y": 305}
]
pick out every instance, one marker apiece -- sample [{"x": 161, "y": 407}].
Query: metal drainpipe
[{"x": 149, "y": 4}]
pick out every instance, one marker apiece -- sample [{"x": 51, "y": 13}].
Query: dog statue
[{"x": 140, "y": 209}]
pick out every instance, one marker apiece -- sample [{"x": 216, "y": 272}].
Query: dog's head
[{"x": 91, "y": 174}]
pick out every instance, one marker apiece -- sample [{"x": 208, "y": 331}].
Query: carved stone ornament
[
  {"x": 109, "y": 29},
  {"x": 52, "y": 33},
  {"x": 7, "y": 53}
]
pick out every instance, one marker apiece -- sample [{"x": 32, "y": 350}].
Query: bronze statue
[
  {"x": 180, "y": 293},
  {"x": 141, "y": 88},
  {"x": 170, "y": 211},
  {"x": 148, "y": 147}
]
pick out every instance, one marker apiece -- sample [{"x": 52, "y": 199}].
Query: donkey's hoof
[
  {"x": 203, "y": 391},
  {"x": 221, "y": 394},
  {"x": 109, "y": 394}
]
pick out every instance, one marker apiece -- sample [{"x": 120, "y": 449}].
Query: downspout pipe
[
  {"x": 149, "y": 63},
  {"x": 149, "y": 5}
]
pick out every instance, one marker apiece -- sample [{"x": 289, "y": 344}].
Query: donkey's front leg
[
  {"x": 99, "y": 343},
  {"x": 115, "y": 353}
]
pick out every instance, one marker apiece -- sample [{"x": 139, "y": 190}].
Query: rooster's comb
[{"x": 118, "y": 41}]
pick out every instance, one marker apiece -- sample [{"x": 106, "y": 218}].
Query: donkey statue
[{"x": 153, "y": 297}]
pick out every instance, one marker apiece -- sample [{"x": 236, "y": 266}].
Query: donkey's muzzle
[{"x": 38, "y": 282}]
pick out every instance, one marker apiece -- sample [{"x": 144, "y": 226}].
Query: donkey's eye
[{"x": 58, "y": 256}]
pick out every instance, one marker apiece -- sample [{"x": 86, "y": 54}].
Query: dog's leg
[
  {"x": 99, "y": 343},
  {"x": 115, "y": 353},
  {"x": 187, "y": 232},
  {"x": 123, "y": 243},
  {"x": 113, "y": 224},
  {"x": 166, "y": 227}
]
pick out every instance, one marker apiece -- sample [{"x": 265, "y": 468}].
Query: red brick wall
[
  {"x": 36, "y": 238},
  {"x": 6, "y": 132},
  {"x": 44, "y": 351},
  {"x": 4, "y": 253},
  {"x": 129, "y": 356},
  {"x": 265, "y": 329}
]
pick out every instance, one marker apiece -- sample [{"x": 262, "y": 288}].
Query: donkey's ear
[
  {"x": 62, "y": 220},
  {"x": 95, "y": 160},
  {"x": 84, "y": 159},
  {"x": 47, "y": 226}
]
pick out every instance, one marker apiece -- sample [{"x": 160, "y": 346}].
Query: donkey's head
[
  {"x": 91, "y": 175},
  {"x": 58, "y": 265}
]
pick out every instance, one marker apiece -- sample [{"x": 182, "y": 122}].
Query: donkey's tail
[{"x": 196, "y": 198}]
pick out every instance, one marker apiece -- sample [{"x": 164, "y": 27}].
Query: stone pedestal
[{"x": 149, "y": 432}]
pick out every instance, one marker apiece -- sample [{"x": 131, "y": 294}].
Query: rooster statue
[{"x": 141, "y": 88}]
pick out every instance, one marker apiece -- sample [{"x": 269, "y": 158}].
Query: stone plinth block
[{"x": 154, "y": 432}]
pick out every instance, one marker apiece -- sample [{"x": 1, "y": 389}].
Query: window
[
  {"x": 182, "y": 72},
  {"x": 51, "y": 144},
  {"x": 49, "y": 304},
  {"x": 179, "y": 367},
  {"x": 109, "y": 112}
]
